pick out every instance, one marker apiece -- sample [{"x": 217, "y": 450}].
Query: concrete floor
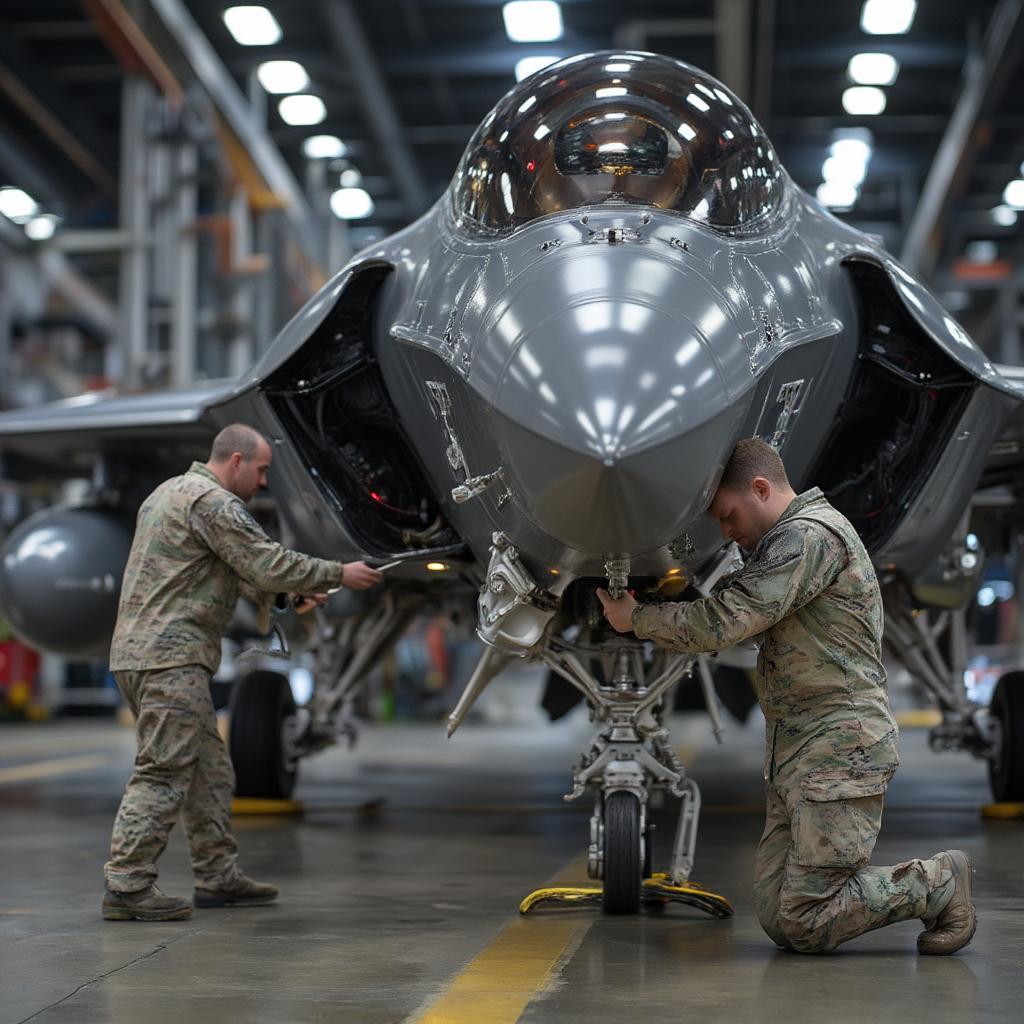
[{"x": 401, "y": 881}]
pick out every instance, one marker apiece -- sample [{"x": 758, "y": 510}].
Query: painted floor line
[
  {"x": 50, "y": 769},
  {"x": 498, "y": 984},
  {"x": 522, "y": 962}
]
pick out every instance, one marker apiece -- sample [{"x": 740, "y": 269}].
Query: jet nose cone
[{"x": 615, "y": 415}]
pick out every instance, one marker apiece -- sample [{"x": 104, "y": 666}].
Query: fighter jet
[{"x": 531, "y": 392}]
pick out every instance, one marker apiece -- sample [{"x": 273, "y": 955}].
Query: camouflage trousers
[
  {"x": 181, "y": 766},
  {"x": 813, "y": 888}
]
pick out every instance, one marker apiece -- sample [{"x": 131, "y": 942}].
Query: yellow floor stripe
[
  {"x": 1004, "y": 810},
  {"x": 497, "y": 986},
  {"x": 524, "y": 959},
  {"x": 520, "y": 963},
  {"x": 49, "y": 769},
  {"x": 252, "y": 805},
  {"x": 922, "y": 718}
]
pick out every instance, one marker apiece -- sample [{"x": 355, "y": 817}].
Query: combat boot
[
  {"x": 145, "y": 905},
  {"x": 242, "y": 892},
  {"x": 953, "y": 927}
]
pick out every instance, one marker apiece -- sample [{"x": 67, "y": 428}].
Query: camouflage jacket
[
  {"x": 196, "y": 549},
  {"x": 810, "y": 595}
]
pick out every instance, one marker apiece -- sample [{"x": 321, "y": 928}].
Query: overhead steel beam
[
  {"x": 52, "y": 126},
  {"x": 350, "y": 40},
  {"x": 984, "y": 78},
  {"x": 233, "y": 108},
  {"x": 79, "y": 293},
  {"x": 732, "y": 45},
  {"x": 134, "y": 52}
]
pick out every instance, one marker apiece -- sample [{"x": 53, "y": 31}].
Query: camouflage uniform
[
  {"x": 810, "y": 595},
  {"x": 196, "y": 549}
]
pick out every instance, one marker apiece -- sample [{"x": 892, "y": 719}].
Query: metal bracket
[
  {"x": 617, "y": 571},
  {"x": 513, "y": 611},
  {"x": 686, "y": 833},
  {"x": 474, "y": 486}
]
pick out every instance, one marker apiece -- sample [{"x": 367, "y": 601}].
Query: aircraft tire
[
  {"x": 622, "y": 864},
  {"x": 260, "y": 702},
  {"x": 1006, "y": 772}
]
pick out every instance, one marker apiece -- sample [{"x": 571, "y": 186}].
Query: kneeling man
[{"x": 809, "y": 593}]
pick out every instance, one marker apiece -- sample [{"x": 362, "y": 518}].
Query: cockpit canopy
[{"x": 618, "y": 128}]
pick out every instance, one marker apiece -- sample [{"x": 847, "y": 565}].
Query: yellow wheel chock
[{"x": 658, "y": 889}]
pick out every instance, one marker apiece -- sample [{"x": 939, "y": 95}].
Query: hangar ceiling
[{"x": 405, "y": 82}]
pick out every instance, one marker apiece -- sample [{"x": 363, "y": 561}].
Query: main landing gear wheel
[
  {"x": 261, "y": 703},
  {"x": 622, "y": 863},
  {"x": 1006, "y": 770}
]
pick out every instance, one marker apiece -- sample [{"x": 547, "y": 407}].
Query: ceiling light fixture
[
  {"x": 532, "y": 21},
  {"x": 41, "y": 228},
  {"x": 873, "y": 68},
  {"x": 252, "y": 26},
  {"x": 851, "y": 149},
  {"x": 840, "y": 169},
  {"x": 1005, "y": 216},
  {"x": 351, "y": 203},
  {"x": 17, "y": 205},
  {"x": 863, "y": 100},
  {"x": 1013, "y": 194},
  {"x": 302, "y": 109},
  {"x": 282, "y": 76},
  {"x": 323, "y": 147},
  {"x": 837, "y": 195},
  {"x": 887, "y": 17}
]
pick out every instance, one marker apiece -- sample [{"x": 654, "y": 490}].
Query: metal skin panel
[
  {"x": 570, "y": 357},
  {"x": 933, "y": 515}
]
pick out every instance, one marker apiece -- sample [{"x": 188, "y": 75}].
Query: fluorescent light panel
[
  {"x": 1005, "y": 216},
  {"x": 252, "y": 26},
  {"x": 843, "y": 171},
  {"x": 282, "y": 76},
  {"x": 41, "y": 228},
  {"x": 887, "y": 17},
  {"x": 351, "y": 203},
  {"x": 851, "y": 149},
  {"x": 837, "y": 195},
  {"x": 323, "y": 147},
  {"x": 1013, "y": 194},
  {"x": 863, "y": 100},
  {"x": 17, "y": 205},
  {"x": 532, "y": 21},
  {"x": 302, "y": 109},
  {"x": 873, "y": 68}
]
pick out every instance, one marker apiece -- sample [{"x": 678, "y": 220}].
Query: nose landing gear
[{"x": 630, "y": 758}]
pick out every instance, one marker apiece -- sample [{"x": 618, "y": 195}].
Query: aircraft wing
[{"x": 65, "y": 439}]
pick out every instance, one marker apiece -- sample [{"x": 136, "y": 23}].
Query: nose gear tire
[{"x": 622, "y": 863}]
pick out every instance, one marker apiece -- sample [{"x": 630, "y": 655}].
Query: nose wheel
[
  {"x": 628, "y": 883},
  {"x": 623, "y": 860}
]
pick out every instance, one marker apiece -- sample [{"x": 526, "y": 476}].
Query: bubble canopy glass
[{"x": 618, "y": 128}]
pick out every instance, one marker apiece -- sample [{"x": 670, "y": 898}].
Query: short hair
[
  {"x": 753, "y": 458},
  {"x": 236, "y": 437}
]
